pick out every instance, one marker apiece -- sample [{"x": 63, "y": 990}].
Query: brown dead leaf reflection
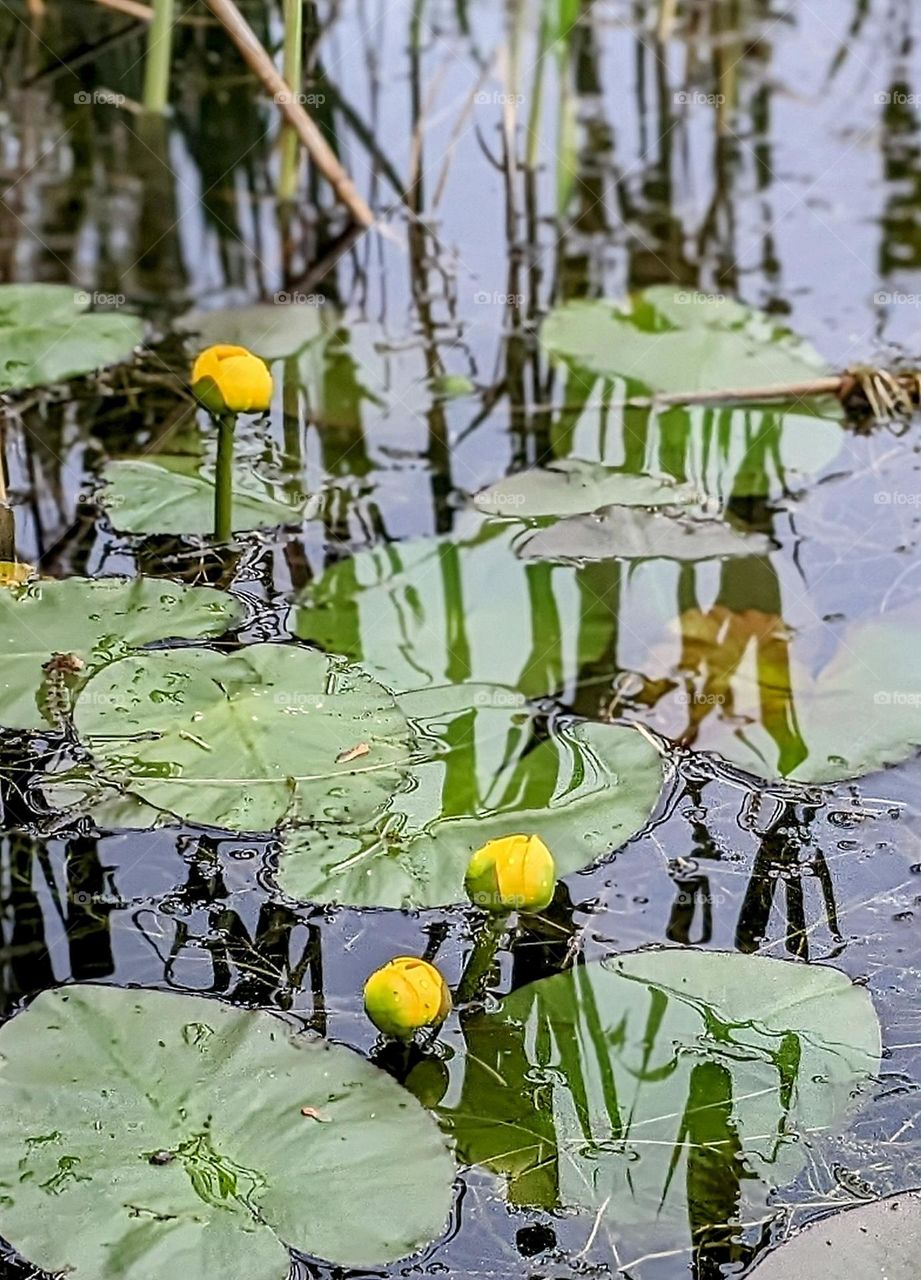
[
  {"x": 715, "y": 647},
  {"x": 724, "y": 672}
]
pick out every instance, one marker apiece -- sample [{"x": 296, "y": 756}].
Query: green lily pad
[
  {"x": 665, "y": 1090},
  {"x": 435, "y": 611},
  {"x": 628, "y": 533},
  {"x": 654, "y": 344},
  {"x": 810, "y": 705},
  {"x": 244, "y": 740},
  {"x": 47, "y": 335},
  {"x": 272, "y": 331},
  {"x": 744, "y": 451},
  {"x": 584, "y": 790},
  {"x": 817, "y": 705},
  {"x": 880, "y": 1241},
  {"x": 175, "y": 496},
  {"x": 97, "y": 622},
  {"x": 432, "y": 611},
  {"x": 668, "y": 341},
  {"x": 144, "y": 1133},
  {"x": 572, "y": 487}
]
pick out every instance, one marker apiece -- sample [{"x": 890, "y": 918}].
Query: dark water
[{"x": 768, "y": 151}]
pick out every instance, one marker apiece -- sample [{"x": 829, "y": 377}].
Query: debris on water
[
  {"x": 312, "y": 1113},
  {"x": 353, "y": 753},
  {"x": 65, "y": 664}
]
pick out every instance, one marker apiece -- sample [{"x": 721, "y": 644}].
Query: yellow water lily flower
[
  {"x": 513, "y": 873},
  {"x": 12, "y": 573},
  {"x": 405, "y": 994},
  {"x": 232, "y": 380}
]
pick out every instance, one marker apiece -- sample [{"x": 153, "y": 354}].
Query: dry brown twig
[
  {"x": 319, "y": 150},
  {"x": 261, "y": 64},
  {"x": 886, "y": 395}
]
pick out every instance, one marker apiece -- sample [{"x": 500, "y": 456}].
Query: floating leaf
[
  {"x": 47, "y": 336},
  {"x": 668, "y": 340},
  {"x": 571, "y": 487},
  {"x": 273, "y": 331},
  {"x": 95, "y": 622},
  {"x": 175, "y": 496},
  {"x": 654, "y": 343},
  {"x": 742, "y": 451},
  {"x": 243, "y": 740},
  {"x": 879, "y": 1241},
  {"x": 811, "y": 705},
  {"x": 385, "y": 811},
  {"x": 435, "y": 611},
  {"x": 143, "y": 1133},
  {"x": 666, "y": 1090},
  {"x": 584, "y": 789},
  {"x": 627, "y": 533}
]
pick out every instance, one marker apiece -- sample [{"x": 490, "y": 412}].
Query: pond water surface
[{"x": 769, "y": 151}]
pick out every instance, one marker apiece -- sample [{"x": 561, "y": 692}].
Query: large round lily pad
[
  {"x": 175, "y": 496},
  {"x": 274, "y": 331},
  {"x": 46, "y": 335},
  {"x": 472, "y": 607},
  {"x": 433, "y": 611},
  {"x": 244, "y": 740},
  {"x": 880, "y": 1241},
  {"x": 823, "y": 704},
  {"x": 482, "y": 771},
  {"x": 668, "y": 340},
  {"x": 627, "y": 533},
  {"x": 572, "y": 487},
  {"x": 666, "y": 1090},
  {"x": 145, "y": 1134},
  {"x": 95, "y": 622}
]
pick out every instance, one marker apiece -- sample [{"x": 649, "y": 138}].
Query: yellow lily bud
[
  {"x": 232, "y": 380},
  {"x": 513, "y": 873},
  {"x": 405, "y": 994},
  {"x": 12, "y": 573}
]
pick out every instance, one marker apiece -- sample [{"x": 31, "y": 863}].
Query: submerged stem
[
  {"x": 223, "y": 479},
  {"x": 482, "y": 957},
  {"x": 159, "y": 56}
]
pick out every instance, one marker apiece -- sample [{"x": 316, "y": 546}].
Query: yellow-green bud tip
[
  {"x": 513, "y": 873},
  {"x": 406, "y": 994},
  {"x": 230, "y": 379}
]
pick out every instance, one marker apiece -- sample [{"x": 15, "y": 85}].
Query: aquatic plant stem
[
  {"x": 668, "y": 12},
  {"x": 482, "y": 957},
  {"x": 223, "y": 479},
  {"x": 293, "y": 73},
  {"x": 159, "y": 56}
]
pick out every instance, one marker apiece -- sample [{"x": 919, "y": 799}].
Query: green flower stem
[
  {"x": 293, "y": 72},
  {"x": 482, "y": 957},
  {"x": 159, "y": 56},
  {"x": 223, "y": 480}
]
